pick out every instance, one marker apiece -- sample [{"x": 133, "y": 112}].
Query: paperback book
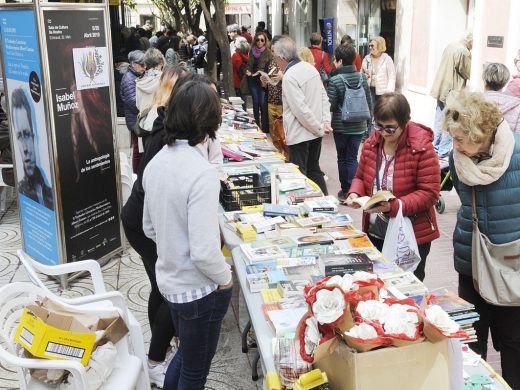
[{"x": 346, "y": 264}]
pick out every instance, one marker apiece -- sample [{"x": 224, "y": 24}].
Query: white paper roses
[{"x": 329, "y": 305}]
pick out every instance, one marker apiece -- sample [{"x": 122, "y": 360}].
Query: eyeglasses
[
  {"x": 260, "y": 40},
  {"x": 389, "y": 129},
  {"x": 371, "y": 46},
  {"x": 455, "y": 115}
]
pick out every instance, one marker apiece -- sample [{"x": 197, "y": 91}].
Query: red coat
[
  {"x": 357, "y": 62},
  {"x": 316, "y": 53},
  {"x": 416, "y": 179},
  {"x": 237, "y": 60}
]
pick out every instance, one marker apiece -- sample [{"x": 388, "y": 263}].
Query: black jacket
[{"x": 132, "y": 213}]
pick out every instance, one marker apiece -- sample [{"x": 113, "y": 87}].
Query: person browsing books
[
  {"x": 181, "y": 215},
  {"x": 486, "y": 159},
  {"x": 408, "y": 167}
]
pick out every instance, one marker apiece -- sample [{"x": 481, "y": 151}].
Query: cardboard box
[
  {"x": 37, "y": 335},
  {"x": 51, "y": 331},
  {"x": 423, "y": 366}
]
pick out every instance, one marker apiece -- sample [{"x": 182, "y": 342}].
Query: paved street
[{"x": 231, "y": 368}]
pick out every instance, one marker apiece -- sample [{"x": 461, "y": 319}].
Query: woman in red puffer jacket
[{"x": 409, "y": 168}]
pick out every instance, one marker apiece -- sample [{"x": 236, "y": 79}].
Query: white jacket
[
  {"x": 305, "y": 104},
  {"x": 385, "y": 76}
]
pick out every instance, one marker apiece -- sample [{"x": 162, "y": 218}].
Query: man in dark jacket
[
  {"x": 133, "y": 72},
  {"x": 347, "y": 135}
]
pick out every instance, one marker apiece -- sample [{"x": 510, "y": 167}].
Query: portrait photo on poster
[{"x": 31, "y": 146}]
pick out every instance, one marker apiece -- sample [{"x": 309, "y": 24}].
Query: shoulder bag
[
  {"x": 323, "y": 74},
  {"x": 495, "y": 267}
]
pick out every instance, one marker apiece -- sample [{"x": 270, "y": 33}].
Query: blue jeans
[
  {"x": 442, "y": 142},
  {"x": 347, "y": 146},
  {"x": 198, "y": 326},
  {"x": 259, "y": 103}
]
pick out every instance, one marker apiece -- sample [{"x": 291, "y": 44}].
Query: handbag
[
  {"x": 495, "y": 267},
  {"x": 144, "y": 124},
  {"x": 323, "y": 74},
  {"x": 280, "y": 133},
  {"x": 379, "y": 227}
]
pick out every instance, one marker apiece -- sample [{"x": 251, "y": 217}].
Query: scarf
[
  {"x": 490, "y": 170},
  {"x": 257, "y": 52}
]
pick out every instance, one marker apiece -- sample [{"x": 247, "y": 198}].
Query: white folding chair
[
  {"x": 136, "y": 342},
  {"x": 129, "y": 372}
]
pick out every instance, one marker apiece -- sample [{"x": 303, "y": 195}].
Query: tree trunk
[
  {"x": 212, "y": 57},
  {"x": 219, "y": 30}
]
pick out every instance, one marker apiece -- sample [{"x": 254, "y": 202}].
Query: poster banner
[
  {"x": 79, "y": 83},
  {"x": 327, "y": 32},
  {"x": 25, "y": 95}
]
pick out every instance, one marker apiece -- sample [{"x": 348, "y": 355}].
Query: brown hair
[
  {"x": 392, "y": 106},
  {"x": 316, "y": 38},
  {"x": 261, "y": 33}
]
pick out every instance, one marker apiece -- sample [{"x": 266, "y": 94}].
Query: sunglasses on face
[
  {"x": 260, "y": 40},
  {"x": 389, "y": 129}
]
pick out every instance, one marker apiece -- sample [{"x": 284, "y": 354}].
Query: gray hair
[
  {"x": 285, "y": 48},
  {"x": 233, "y": 28},
  {"x": 153, "y": 58},
  {"x": 136, "y": 57},
  {"x": 241, "y": 45},
  {"x": 495, "y": 75},
  {"x": 468, "y": 36}
]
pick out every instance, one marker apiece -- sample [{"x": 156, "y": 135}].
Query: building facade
[{"x": 416, "y": 33}]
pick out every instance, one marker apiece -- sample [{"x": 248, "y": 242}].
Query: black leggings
[
  {"x": 161, "y": 324},
  {"x": 424, "y": 251}
]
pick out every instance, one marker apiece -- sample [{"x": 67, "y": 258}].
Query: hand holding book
[{"x": 377, "y": 203}]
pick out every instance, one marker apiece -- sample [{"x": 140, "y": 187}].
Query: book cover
[
  {"x": 449, "y": 301},
  {"x": 345, "y": 234},
  {"x": 258, "y": 282},
  {"x": 285, "y": 242},
  {"x": 289, "y": 288},
  {"x": 313, "y": 250},
  {"x": 267, "y": 307},
  {"x": 302, "y": 272},
  {"x": 273, "y": 265},
  {"x": 339, "y": 220},
  {"x": 314, "y": 239},
  {"x": 312, "y": 221},
  {"x": 323, "y": 205},
  {"x": 270, "y": 295},
  {"x": 285, "y": 320},
  {"x": 406, "y": 282},
  {"x": 273, "y": 210},
  {"x": 359, "y": 242},
  {"x": 342, "y": 264},
  {"x": 264, "y": 253}
]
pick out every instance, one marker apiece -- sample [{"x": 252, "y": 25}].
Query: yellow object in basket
[
  {"x": 314, "y": 379},
  {"x": 272, "y": 381}
]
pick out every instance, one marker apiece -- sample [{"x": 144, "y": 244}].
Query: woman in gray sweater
[{"x": 180, "y": 214}]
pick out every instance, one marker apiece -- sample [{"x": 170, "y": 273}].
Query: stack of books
[
  {"x": 460, "y": 311},
  {"x": 341, "y": 264},
  {"x": 322, "y": 205},
  {"x": 246, "y": 232}
]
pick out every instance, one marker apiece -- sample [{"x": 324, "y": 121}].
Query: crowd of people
[{"x": 303, "y": 91}]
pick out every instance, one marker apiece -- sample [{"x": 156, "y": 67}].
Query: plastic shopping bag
[{"x": 400, "y": 245}]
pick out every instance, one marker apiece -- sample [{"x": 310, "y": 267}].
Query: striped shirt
[{"x": 192, "y": 295}]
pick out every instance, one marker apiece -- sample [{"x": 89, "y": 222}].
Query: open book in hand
[
  {"x": 268, "y": 77},
  {"x": 367, "y": 202}
]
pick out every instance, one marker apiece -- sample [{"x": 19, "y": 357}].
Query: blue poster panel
[
  {"x": 327, "y": 32},
  {"x": 21, "y": 58}
]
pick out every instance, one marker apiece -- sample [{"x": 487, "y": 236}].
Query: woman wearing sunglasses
[
  {"x": 259, "y": 59},
  {"x": 408, "y": 167}
]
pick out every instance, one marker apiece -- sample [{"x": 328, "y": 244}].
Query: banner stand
[{"x": 59, "y": 82}]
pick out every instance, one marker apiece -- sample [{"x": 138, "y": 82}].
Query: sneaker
[
  {"x": 157, "y": 373},
  {"x": 342, "y": 196},
  {"x": 169, "y": 355}
]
